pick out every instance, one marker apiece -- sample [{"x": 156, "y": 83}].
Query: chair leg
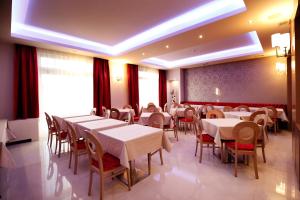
[
  {"x": 59, "y": 148},
  {"x": 128, "y": 178},
  {"x": 184, "y": 128},
  {"x": 149, "y": 163},
  {"x": 90, "y": 183},
  {"x": 235, "y": 164},
  {"x": 196, "y": 148},
  {"x": 56, "y": 146},
  {"x": 51, "y": 139},
  {"x": 214, "y": 148},
  {"x": 48, "y": 137},
  {"x": 201, "y": 151},
  {"x": 161, "y": 157},
  {"x": 101, "y": 187},
  {"x": 255, "y": 165},
  {"x": 263, "y": 153},
  {"x": 76, "y": 163},
  {"x": 70, "y": 160}
]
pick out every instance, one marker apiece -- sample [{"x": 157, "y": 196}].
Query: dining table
[
  {"x": 124, "y": 113},
  {"x": 131, "y": 142}
]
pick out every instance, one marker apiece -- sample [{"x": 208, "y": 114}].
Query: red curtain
[
  {"x": 26, "y": 92},
  {"x": 133, "y": 86},
  {"x": 101, "y": 85},
  {"x": 162, "y": 88}
]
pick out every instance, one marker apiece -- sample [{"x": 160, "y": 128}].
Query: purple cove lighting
[
  {"x": 254, "y": 48},
  {"x": 197, "y": 17}
]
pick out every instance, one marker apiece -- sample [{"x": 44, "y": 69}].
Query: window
[
  {"x": 148, "y": 86},
  {"x": 65, "y": 83}
]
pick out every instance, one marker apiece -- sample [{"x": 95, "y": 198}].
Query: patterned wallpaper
[{"x": 250, "y": 81}]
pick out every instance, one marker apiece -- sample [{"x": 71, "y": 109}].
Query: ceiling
[{"x": 163, "y": 34}]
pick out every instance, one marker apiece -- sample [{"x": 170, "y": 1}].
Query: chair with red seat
[
  {"x": 188, "y": 117},
  {"x": 202, "y": 138},
  {"x": 245, "y": 139},
  {"x": 77, "y": 146},
  {"x": 61, "y": 136},
  {"x": 156, "y": 120},
  {"x": 51, "y": 129},
  {"x": 105, "y": 164}
]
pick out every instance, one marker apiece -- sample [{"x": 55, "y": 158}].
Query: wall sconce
[
  {"x": 281, "y": 42},
  {"x": 280, "y": 68},
  {"x": 217, "y": 91}
]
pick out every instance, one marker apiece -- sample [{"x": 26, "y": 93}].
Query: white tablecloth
[
  {"x": 76, "y": 119},
  {"x": 220, "y": 128},
  {"x": 130, "y": 142},
  {"x": 280, "y": 111},
  {"x": 98, "y": 125},
  {"x": 6, "y": 159},
  {"x": 177, "y": 111},
  {"x": 145, "y": 117},
  {"x": 124, "y": 113},
  {"x": 237, "y": 114}
]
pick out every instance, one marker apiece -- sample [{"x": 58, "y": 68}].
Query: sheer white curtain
[
  {"x": 148, "y": 86},
  {"x": 65, "y": 83}
]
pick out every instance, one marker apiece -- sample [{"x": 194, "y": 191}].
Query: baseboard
[{"x": 18, "y": 142}]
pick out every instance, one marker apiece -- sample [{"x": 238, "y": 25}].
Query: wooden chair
[
  {"x": 136, "y": 118},
  {"x": 212, "y": 114},
  {"x": 77, "y": 146},
  {"x": 114, "y": 113},
  {"x": 127, "y": 107},
  {"x": 105, "y": 164},
  {"x": 186, "y": 105},
  {"x": 61, "y": 136},
  {"x": 227, "y": 109},
  {"x": 51, "y": 129},
  {"x": 155, "y": 120},
  {"x": 174, "y": 128},
  {"x": 166, "y": 108},
  {"x": 188, "y": 117},
  {"x": 261, "y": 118},
  {"x": 202, "y": 138},
  {"x": 152, "y": 108},
  {"x": 151, "y": 104},
  {"x": 204, "y": 109},
  {"x": 103, "y": 111},
  {"x": 245, "y": 139},
  {"x": 130, "y": 119},
  {"x": 272, "y": 112},
  {"x": 93, "y": 111},
  {"x": 242, "y": 108}
]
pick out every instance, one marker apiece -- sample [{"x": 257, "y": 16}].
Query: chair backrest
[
  {"x": 114, "y": 113},
  {"x": 186, "y": 105},
  {"x": 175, "y": 105},
  {"x": 246, "y": 133},
  {"x": 95, "y": 150},
  {"x": 272, "y": 112},
  {"x": 254, "y": 115},
  {"x": 56, "y": 124},
  {"x": 151, "y": 104},
  {"x": 156, "y": 120},
  {"x": 243, "y": 108},
  {"x": 166, "y": 107},
  {"x": 198, "y": 125},
  {"x": 189, "y": 113},
  {"x": 130, "y": 118},
  {"x": 103, "y": 110},
  {"x": 206, "y": 108},
  {"x": 127, "y": 106},
  {"x": 93, "y": 111},
  {"x": 49, "y": 121},
  {"x": 72, "y": 135},
  {"x": 227, "y": 109},
  {"x": 213, "y": 114},
  {"x": 152, "y": 108}
]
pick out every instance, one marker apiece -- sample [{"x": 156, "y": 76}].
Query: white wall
[{"x": 118, "y": 83}]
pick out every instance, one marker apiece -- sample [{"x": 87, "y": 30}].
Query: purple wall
[{"x": 250, "y": 81}]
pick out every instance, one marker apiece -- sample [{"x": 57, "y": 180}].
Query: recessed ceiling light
[
  {"x": 250, "y": 21},
  {"x": 143, "y": 54},
  {"x": 167, "y": 46},
  {"x": 200, "y": 36}
]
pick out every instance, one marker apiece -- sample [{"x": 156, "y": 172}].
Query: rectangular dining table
[
  {"x": 145, "y": 117},
  {"x": 131, "y": 142},
  {"x": 98, "y": 125},
  {"x": 237, "y": 114}
]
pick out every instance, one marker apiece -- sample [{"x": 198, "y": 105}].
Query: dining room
[{"x": 149, "y": 99}]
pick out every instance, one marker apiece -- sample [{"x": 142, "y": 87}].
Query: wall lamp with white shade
[{"x": 281, "y": 42}]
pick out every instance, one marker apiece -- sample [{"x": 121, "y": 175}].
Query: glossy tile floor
[{"x": 42, "y": 175}]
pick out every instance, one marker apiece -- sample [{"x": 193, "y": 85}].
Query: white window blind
[
  {"x": 148, "y": 86},
  {"x": 65, "y": 83}
]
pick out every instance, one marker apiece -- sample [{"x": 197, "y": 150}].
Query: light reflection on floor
[{"x": 42, "y": 175}]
